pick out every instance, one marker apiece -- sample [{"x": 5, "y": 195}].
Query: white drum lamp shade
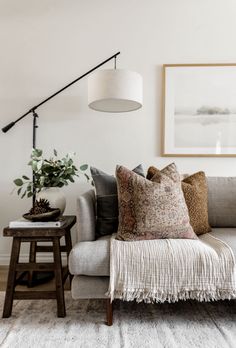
[{"x": 115, "y": 90}]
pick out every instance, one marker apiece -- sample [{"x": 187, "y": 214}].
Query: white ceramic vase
[{"x": 55, "y": 196}]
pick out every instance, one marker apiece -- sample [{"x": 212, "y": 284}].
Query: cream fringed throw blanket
[{"x": 172, "y": 269}]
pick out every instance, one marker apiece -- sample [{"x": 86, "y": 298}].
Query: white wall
[{"x": 46, "y": 44}]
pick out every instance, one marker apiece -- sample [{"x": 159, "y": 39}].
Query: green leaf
[
  {"x": 23, "y": 195},
  {"x": 39, "y": 164},
  {"x": 37, "y": 152},
  {"x": 83, "y": 167},
  {"x": 34, "y": 166},
  {"x": 29, "y": 194},
  {"x": 55, "y": 152},
  {"x": 18, "y": 182},
  {"x": 19, "y": 191},
  {"x": 41, "y": 180},
  {"x": 25, "y": 177}
]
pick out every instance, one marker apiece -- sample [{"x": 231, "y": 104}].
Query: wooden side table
[{"x": 34, "y": 235}]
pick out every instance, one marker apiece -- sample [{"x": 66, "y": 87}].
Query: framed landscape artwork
[{"x": 199, "y": 110}]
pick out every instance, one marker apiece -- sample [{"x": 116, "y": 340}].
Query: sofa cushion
[
  {"x": 152, "y": 209},
  {"x": 91, "y": 258},
  {"x": 107, "y": 201},
  {"x": 222, "y": 201},
  {"x": 196, "y": 196},
  {"x": 227, "y": 235},
  {"x": 195, "y": 193}
]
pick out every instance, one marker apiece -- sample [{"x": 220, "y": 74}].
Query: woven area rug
[{"x": 183, "y": 324}]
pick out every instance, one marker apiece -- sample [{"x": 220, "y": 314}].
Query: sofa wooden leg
[{"x": 109, "y": 312}]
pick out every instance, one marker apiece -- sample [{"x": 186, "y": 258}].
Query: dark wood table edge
[{"x": 40, "y": 231}]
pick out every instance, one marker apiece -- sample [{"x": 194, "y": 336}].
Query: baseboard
[{"x": 41, "y": 257}]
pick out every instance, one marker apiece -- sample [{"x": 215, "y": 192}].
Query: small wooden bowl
[{"x": 50, "y": 216}]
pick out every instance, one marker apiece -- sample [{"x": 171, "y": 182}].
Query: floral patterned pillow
[
  {"x": 152, "y": 209},
  {"x": 195, "y": 192}
]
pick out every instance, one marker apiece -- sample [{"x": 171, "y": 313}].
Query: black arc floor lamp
[{"x": 110, "y": 90}]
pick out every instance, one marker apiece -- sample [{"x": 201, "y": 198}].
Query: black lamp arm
[
  {"x": 11, "y": 124},
  {"x": 8, "y": 126}
]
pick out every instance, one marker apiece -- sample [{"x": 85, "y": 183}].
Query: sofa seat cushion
[
  {"x": 227, "y": 235},
  {"x": 91, "y": 258}
]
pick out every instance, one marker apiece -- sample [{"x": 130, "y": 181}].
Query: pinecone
[{"x": 40, "y": 207}]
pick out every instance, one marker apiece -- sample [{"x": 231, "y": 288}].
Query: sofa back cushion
[
  {"x": 222, "y": 201},
  {"x": 107, "y": 200},
  {"x": 196, "y": 196},
  {"x": 152, "y": 209},
  {"x": 195, "y": 193}
]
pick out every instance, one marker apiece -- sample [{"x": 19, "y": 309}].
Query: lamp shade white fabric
[{"x": 115, "y": 90}]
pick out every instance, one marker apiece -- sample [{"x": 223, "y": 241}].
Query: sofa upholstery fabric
[
  {"x": 84, "y": 287},
  {"x": 91, "y": 258},
  {"x": 222, "y": 201},
  {"x": 227, "y": 235},
  {"x": 86, "y": 216}
]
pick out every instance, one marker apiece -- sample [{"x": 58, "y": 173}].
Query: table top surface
[{"x": 70, "y": 220}]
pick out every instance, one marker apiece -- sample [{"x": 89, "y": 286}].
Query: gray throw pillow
[{"x": 107, "y": 200}]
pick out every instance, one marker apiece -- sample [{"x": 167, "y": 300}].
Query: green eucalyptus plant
[{"x": 52, "y": 172}]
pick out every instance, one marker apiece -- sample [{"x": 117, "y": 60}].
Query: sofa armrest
[{"x": 86, "y": 217}]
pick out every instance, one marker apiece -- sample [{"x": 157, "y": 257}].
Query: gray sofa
[{"x": 89, "y": 258}]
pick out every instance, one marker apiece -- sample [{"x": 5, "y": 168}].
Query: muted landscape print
[{"x": 206, "y": 126}]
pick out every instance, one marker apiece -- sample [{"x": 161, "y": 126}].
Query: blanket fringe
[{"x": 160, "y": 297}]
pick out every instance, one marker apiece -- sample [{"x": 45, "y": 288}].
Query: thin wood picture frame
[{"x": 199, "y": 110}]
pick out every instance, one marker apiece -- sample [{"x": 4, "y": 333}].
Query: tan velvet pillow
[
  {"x": 152, "y": 209},
  {"x": 196, "y": 196}
]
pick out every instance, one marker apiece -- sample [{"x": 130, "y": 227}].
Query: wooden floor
[
  {"x": 48, "y": 286},
  {"x": 3, "y": 277}
]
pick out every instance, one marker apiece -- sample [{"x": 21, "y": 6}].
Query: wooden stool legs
[
  {"x": 68, "y": 249},
  {"x": 61, "y": 310},
  {"x": 32, "y": 259},
  {"x": 11, "y": 281},
  {"x": 109, "y": 312}
]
